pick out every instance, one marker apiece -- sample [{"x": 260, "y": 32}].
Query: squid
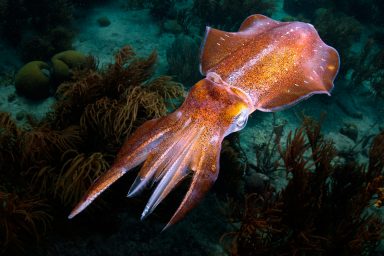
[{"x": 267, "y": 66}]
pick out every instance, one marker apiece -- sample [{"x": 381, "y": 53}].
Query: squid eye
[
  {"x": 238, "y": 122},
  {"x": 241, "y": 121}
]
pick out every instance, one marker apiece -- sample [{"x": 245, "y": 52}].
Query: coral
[
  {"x": 322, "y": 210},
  {"x": 23, "y": 222},
  {"x": 64, "y": 63},
  {"x": 183, "y": 60},
  {"x": 33, "y": 81}
]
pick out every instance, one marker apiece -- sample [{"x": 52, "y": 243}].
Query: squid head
[{"x": 186, "y": 141}]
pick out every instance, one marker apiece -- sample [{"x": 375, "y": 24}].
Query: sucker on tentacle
[{"x": 267, "y": 66}]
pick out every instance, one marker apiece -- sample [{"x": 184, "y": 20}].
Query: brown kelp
[
  {"x": 23, "y": 222},
  {"x": 93, "y": 115},
  {"x": 54, "y": 160},
  {"x": 322, "y": 210}
]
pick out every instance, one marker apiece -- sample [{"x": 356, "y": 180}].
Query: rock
[{"x": 350, "y": 130}]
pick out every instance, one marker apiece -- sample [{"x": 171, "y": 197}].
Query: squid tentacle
[
  {"x": 174, "y": 171},
  {"x": 135, "y": 150},
  {"x": 206, "y": 172}
]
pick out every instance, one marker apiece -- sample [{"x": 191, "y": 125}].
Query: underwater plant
[
  {"x": 183, "y": 60},
  {"x": 369, "y": 71},
  {"x": 96, "y": 109},
  {"x": 77, "y": 172},
  {"x": 58, "y": 157},
  {"x": 44, "y": 145},
  {"x": 322, "y": 210},
  {"x": 266, "y": 153},
  {"x": 10, "y": 151},
  {"x": 23, "y": 222}
]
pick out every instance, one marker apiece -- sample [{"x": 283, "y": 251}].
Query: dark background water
[{"x": 264, "y": 202}]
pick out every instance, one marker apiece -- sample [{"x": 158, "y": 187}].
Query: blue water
[{"x": 62, "y": 122}]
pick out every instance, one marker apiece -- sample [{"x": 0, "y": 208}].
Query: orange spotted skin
[
  {"x": 276, "y": 63},
  {"x": 267, "y": 65}
]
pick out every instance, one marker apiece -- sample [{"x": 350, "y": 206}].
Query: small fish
[{"x": 267, "y": 65}]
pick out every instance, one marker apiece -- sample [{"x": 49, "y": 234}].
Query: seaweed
[
  {"x": 266, "y": 153},
  {"x": 127, "y": 75},
  {"x": 23, "y": 221},
  {"x": 56, "y": 159},
  {"x": 369, "y": 71},
  {"x": 183, "y": 60},
  {"x": 42, "y": 144},
  {"x": 77, "y": 172},
  {"x": 10, "y": 152},
  {"x": 93, "y": 115},
  {"x": 322, "y": 210}
]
